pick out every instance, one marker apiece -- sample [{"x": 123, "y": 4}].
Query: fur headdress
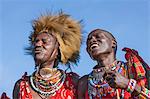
[{"x": 67, "y": 31}]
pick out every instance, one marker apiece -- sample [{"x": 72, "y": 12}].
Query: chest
[
  {"x": 65, "y": 91},
  {"x": 99, "y": 88}
]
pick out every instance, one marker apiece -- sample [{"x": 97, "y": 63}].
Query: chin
[
  {"x": 38, "y": 57},
  {"x": 96, "y": 55},
  {"x": 38, "y": 61}
]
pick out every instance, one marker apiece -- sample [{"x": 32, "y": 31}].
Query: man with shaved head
[{"x": 112, "y": 78}]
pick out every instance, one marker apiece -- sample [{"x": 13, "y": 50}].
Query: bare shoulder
[
  {"x": 17, "y": 86},
  {"x": 82, "y": 87},
  {"x": 16, "y": 89},
  {"x": 74, "y": 76},
  {"x": 83, "y": 81}
]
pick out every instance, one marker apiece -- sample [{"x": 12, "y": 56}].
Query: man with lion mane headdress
[{"x": 55, "y": 39}]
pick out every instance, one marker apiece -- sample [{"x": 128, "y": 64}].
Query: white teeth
[
  {"x": 93, "y": 45},
  {"x": 38, "y": 51}
]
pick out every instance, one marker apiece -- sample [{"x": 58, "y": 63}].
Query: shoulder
[
  {"x": 74, "y": 77},
  {"x": 17, "y": 84},
  {"x": 83, "y": 80},
  {"x": 16, "y": 88},
  {"x": 82, "y": 86}
]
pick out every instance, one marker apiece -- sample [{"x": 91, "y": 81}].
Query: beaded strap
[{"x": 131, "y": 85}]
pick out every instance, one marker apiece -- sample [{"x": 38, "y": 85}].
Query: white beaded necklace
[{"x": 52, "y": 92}]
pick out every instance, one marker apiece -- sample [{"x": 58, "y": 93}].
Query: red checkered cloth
[{"x": 136, "y": 66}]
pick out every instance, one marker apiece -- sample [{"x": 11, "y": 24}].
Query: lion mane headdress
[{"x": 67, "y": 32}]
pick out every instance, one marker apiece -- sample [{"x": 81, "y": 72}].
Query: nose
[
  {"x": 38, "y": 43},
  {"x": 93, "y": 39}
]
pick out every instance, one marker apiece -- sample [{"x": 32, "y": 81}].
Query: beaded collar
[
  {"x": 110, "y": 67},
  {"x": 47, "y": 87},
  {"x": 97, "y": 86}
]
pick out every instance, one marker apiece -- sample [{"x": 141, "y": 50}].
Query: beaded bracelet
[
  {"x": 131, "y": 85},
  {"x": 145, "y": 92}
]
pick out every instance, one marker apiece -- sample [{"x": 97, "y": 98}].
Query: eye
[
  {"x": 98, "y": 36},
  {"x": 98, "y": 39},
  {"x": 89, "y": 37},
  {"x": 36, "y": 40},
  {"x": 44, "y": 41}
]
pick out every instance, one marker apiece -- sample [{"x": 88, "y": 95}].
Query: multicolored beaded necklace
[
  {"x": 97, "y": 86},
  {"x": 47, "y": 87}
]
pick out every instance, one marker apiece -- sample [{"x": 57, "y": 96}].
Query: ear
[
  {"x": 114, "y": 43},
  {"x": 56, "y": 49}
]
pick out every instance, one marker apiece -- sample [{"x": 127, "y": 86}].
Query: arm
[
  {"x": 116, "y": 80},
  {"x": 141, "y": 92},
  {"x": 82, "y": 87},
  {"x": 134, "y": 61},
  {"x": 75, "y": 78},
  {"x": 16, "y": 90}
]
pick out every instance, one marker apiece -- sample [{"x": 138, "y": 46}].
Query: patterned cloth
[
  {"x": 67, "y": 91},
  {"x": 138, "y": 70}
]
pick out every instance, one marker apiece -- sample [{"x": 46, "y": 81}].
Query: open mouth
[
  {"x": 93, "y": 46},
  {"x": 37, "y": 50}
]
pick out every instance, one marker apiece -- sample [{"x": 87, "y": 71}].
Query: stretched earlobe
[{"x": 114, "y": 44}]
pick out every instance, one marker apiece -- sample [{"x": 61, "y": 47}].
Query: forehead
[
  {"x": 45, "y": 35},
  {"x": 100, "y": 33}
]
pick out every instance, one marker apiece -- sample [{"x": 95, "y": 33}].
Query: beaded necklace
[
  {"x": 97, "y": 86},
  {"x": 103, "y": 89},
  {"x": 47, "y": 87}
]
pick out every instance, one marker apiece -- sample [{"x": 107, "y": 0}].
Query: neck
[
  {"x": 106, "y": 60},
  {"x": 47, "y": 65},
  {"x": 46, "y": 70}
]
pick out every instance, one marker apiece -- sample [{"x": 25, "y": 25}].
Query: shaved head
[
  {"x": 101, "y": 42},
  {"x": 103, "y": 31}
]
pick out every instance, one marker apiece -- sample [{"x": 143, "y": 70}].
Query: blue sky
[{"x": 128, "y": 20}]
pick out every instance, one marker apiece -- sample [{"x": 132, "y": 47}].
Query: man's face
[
  {"x": 44, "y": 45},
  {"x": 99, "y": 43}
]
